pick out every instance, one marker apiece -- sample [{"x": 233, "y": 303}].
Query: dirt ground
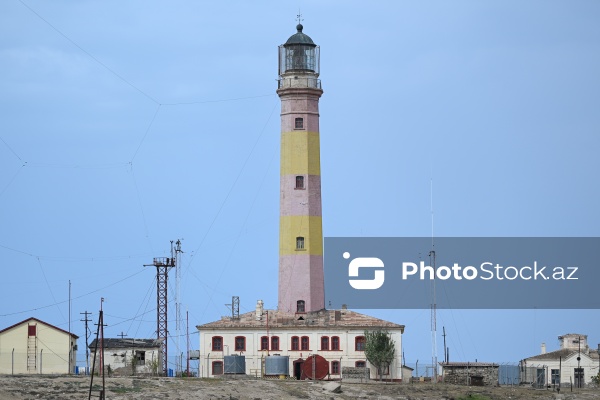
[{"x": 65, "y": 388}]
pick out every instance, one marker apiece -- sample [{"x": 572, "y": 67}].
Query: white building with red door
[{"x": 335, "y": 335}]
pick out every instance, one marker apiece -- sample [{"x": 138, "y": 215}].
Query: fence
[
  {"x": 40, "y": 362},
  {"x": 507, "y": 373}
]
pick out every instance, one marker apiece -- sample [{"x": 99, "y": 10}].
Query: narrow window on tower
[
  {"x": 300, "y": 182},
  {"x": 300, "y": 306},
  {"x": 300, "y": 243},
  {"x": 299, "y": 123}
]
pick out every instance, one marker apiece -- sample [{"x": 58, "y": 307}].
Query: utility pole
[
  {"x": 99, "y": 339},
  {"x": 122, "y": 334},
  {"x": 187, "y": 328},
  {"x": 445, "y": 348},
  {"x": 87, "y": 335},
  {"x": 101, "y": 327},
  {"x": 579, "y": 374},
  {"x": 102, "y": 348},
  {"x": 70, "y": 338}
]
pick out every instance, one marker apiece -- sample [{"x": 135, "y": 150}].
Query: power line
[
  {"x": 78, "y": 166},
  {"x": 11, "y": 180},
  {"x": 139, "y": 198},
  {"x": 75, "y": 259},
  {"x": 148, "y": 297},
  {"x": 145, "y": 134},
  {"x": 75, "y": 298},
  {"x": 218, "y": 101},
  {"x": 89, "y": 54},
  {"x": 232, "y": 186},
  {"x": 12, "y": 151},
  {"x": 49, "y": 287}
]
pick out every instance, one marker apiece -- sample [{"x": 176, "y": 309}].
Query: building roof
[
  {"x": 564, "y": 353},
  {"x": 300, "y": 38},
  {"x": 467, "y": 364},
  {"x": 301, "y": 321},
  {"x": 127, "y": 343},
  {"x": 41, "y": 322},
  {"x": 572, "y": 335}
]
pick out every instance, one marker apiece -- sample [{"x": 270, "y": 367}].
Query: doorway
[
  {"x": 579, "y": 378},
  {"x": 298, "y": 369}
]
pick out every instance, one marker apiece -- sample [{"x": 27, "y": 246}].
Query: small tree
[
  {"x": 154, "y": 365},
  {"x": 133, "y": 362},
  {"x": 596, "y": 379},
  {"x": 379, "y": 349}
]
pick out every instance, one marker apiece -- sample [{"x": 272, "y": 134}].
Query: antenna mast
[
  {"x": 178, "y": 298},
  {"x": 433, "y": 299}
]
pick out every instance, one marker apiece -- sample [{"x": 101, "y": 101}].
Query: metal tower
[
  {"x": 163, "y": 264},
  {"x": 235, "y": 307}
]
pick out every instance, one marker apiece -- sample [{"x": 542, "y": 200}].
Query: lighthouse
[
  {"x": 301, "y": 285},
  {"x": 280, "y": 340}
]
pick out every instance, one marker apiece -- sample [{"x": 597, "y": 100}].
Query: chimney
[
  {"x": 259, "y": 310},
  {"x": 543, "y": 348}
]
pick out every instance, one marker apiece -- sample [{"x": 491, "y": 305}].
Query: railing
[{"x": 299, "y": 82}]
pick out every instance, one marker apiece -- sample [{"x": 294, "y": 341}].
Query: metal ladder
[{"x": 31, "y": 353}]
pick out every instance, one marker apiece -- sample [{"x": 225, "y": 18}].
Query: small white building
[
  {"x": 335, "y": 335},
  {"x": 33, "y": 346},
  {"x": 574, "y": 363},
  {"x": 119, "y": 354}
]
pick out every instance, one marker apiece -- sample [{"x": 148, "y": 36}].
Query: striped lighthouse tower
[{"x": 301, "y": 285}]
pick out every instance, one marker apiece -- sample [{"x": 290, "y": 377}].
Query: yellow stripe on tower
[
  {"x": 310, "y": 228},
  {"x": 300, "y": 153}
]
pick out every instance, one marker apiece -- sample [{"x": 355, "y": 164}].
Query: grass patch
[
  {"x": 126, "y": 390},
  {"x": 473, "y": 397}
]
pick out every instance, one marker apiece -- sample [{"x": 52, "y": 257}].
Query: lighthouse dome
[
  {"x": 299, "y": 54},
  {"x": 299, "y": 38}
]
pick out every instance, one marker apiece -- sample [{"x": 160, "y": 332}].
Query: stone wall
[
  {"x": 476, "y": 375},
  {"x": 356, "y": 375}
]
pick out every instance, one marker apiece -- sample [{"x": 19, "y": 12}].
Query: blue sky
[{"x": 125, "y": 125}]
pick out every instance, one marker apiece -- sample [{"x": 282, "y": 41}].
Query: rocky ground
[{"x": 65, "y": 388}]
